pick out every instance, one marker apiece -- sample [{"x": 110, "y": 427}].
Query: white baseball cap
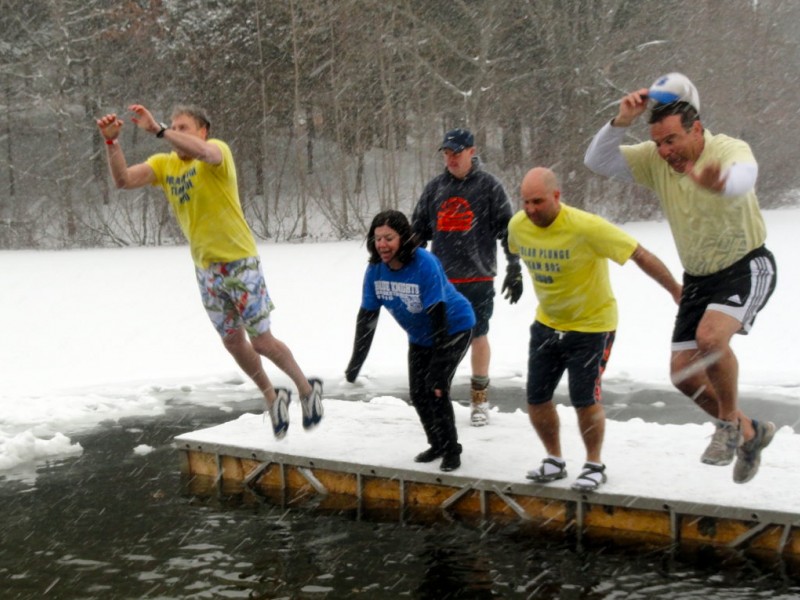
[{"x": 674, "y": 87}]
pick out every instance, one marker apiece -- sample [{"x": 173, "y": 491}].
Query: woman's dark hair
[
  {"x": 397, "y": 221},
  {"x": 686, "y": 111}
]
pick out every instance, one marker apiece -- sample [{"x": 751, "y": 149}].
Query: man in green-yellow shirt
[
  {"x": 706, "y": 186},
  {"x": 198, "y": 178},
  {"x": 566, "y": 251}
]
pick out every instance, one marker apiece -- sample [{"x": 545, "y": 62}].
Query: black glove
[
  {"x": 351, "y": 373},
  {"x": 512, "y": 284},
  {"x": 366, "y": 323}
]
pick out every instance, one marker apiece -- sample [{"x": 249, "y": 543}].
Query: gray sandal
[
  {"x": 539, "y": 475},
  {"x": 588, "y": 480}
]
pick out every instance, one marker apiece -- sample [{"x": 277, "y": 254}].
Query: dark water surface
[{"x": 112, "y": 524}]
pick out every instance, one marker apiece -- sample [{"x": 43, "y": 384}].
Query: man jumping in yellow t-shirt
[
  {"x": 199, "y": 180},
  {"x": 705, "y": 184},
  {"x": 566, "y": 251}
]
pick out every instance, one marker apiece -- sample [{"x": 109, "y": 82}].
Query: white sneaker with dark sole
[
  {"x": 312, "y": 405},
  {"x": 279, "y": 412}
]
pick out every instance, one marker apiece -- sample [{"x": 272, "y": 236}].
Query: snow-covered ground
[{"x": 96, "y": 335}]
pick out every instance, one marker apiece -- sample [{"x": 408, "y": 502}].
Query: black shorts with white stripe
[{"x": 740, "y": 290}]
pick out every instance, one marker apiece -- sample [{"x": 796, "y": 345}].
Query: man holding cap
[
  {"x": 706, "y": 186},
  {"x": 464, "y": 211}
]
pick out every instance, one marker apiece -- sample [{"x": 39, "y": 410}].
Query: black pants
[{"x": 430, "y": 369}]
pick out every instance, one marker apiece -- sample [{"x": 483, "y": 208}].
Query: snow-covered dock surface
[{"x": 646, "y": 462}]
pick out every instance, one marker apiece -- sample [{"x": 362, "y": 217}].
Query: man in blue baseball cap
[
  {"x": 706, "y": 186},
  {"x": 464, "y": 211},
  {"x": 458, "y": 140}
]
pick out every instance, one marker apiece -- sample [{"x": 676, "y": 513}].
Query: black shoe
[
  {"x": 450, "y": 462},
  {"x": 429, "y": 455}
]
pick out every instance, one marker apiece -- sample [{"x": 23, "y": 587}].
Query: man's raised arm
[{"x": 124, "y": 177}]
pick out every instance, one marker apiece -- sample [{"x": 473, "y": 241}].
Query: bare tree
[{"x": 334, "y": 109}]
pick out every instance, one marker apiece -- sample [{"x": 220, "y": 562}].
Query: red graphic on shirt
[{"x": 455, "y": 214}]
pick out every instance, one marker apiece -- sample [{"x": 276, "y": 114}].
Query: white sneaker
[
  {"x": 279, "y": 412},
  {"x": 312, "y": 405}
]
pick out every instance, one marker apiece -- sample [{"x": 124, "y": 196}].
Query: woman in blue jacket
[{"x": 410, "y": 283}]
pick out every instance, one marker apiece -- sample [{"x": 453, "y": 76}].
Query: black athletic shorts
[
  {"x": 740, "y": 291},
  {"x": 481, "y": 295},
  {"x": 583, "y": 355}
]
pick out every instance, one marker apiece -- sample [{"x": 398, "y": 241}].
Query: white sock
[
  {"x": 595, "y": 476},
  {"x": 548, "y": 469}
]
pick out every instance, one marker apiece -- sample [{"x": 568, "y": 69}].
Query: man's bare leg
[
  {"x": 248, "y": 354},
  {"x": 592, "y": 424},
  {"x": 546, "y": 423},
  {"x": 281, "y": 356},
  {"x": 480, "y": 354},
  {"x": 249, "y": 361},
  {"x": 710, "y": 374}
]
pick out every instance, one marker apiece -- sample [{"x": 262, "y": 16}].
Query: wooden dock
[{"x": 242, "y": 453}]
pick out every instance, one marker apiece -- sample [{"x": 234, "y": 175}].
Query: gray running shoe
[
  {"x": 279, "y": 412},
  {"x": 748, "y": 455},
  {"x": 312, "y": 405},
  {"x": 724, "y": 442}
]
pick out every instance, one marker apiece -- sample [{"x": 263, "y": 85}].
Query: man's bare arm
[
  {"x": 658, "y": 271},
  {"x": 124, "y": 177},
  {"x": 184, "y": 144}
]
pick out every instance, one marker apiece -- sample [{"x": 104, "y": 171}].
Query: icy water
[{"x": 111, "y": 524}]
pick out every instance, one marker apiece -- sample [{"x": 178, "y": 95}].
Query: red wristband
[{"x": 111, "y": 142}]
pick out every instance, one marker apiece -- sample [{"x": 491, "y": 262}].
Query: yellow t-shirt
[
  {"x": 568, "y": 264},
  {"x": 711, "y": 231},
  {"x": 205, "y": 200}
]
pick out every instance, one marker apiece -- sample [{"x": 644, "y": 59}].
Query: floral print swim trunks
[{"x": 235, "y": 294}]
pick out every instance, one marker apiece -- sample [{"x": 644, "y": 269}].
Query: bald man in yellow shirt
[{"x": 566, "y": 251}]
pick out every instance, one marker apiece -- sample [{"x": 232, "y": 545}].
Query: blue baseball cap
[
  {"x": 674, "y": 87},
  {"x": 457, "y": 140}
]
